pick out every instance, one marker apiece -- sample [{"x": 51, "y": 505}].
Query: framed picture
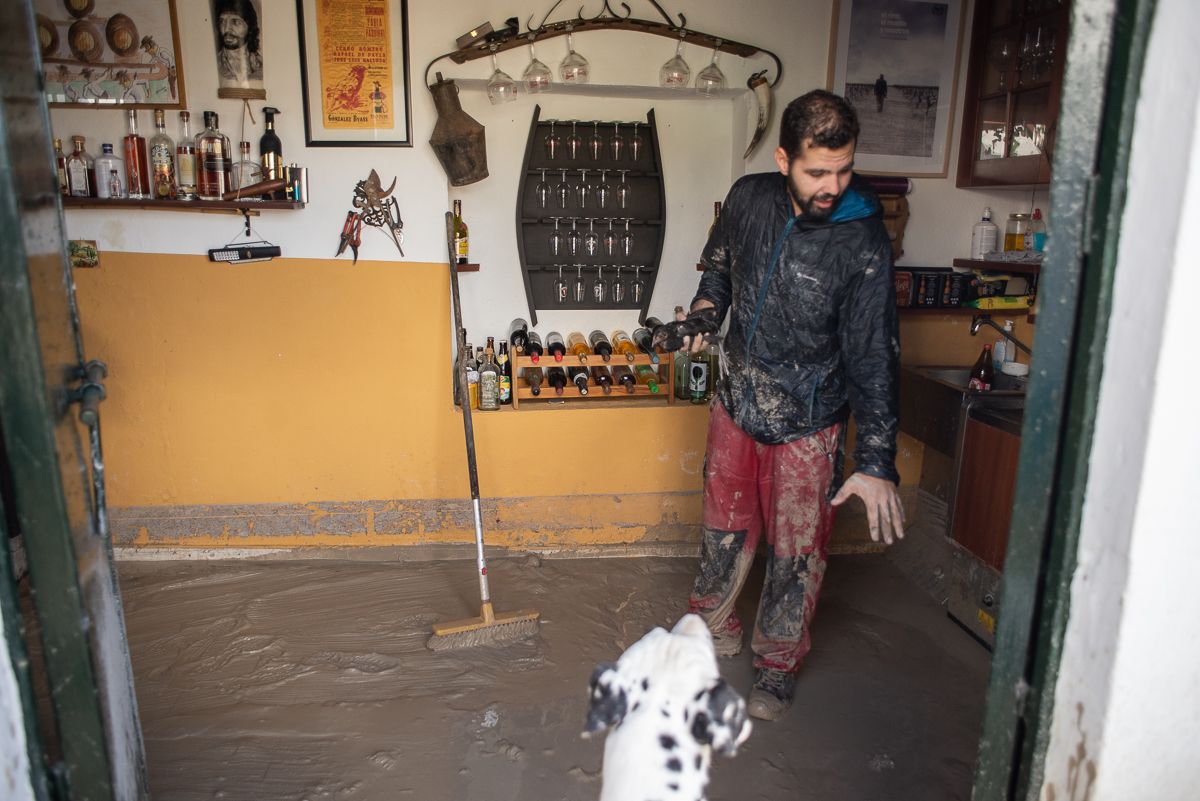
[
  {"x": 354, "y": 72},
  {"x": 896, "y": 61},
  {"x": 104, "y": 53},
  {"x": 238, "y": 34}
]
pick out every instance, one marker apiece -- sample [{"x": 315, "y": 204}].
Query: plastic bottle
[
  {"x": 984, "y": 235},
  {"x": 1003, "y": 351},
  {"x": 1037, "y": 233}
]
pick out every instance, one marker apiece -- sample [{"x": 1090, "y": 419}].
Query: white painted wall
[
  {"x": 1129, "y": 686},
  {"x": 14, "y": 756}
]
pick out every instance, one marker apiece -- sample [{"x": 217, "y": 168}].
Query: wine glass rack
[
  {"x": 523, "y": 395},
  {"x": 642, "y": 215}
]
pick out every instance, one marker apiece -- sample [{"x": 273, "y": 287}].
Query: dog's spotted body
[{"x": 668, "y": 708}]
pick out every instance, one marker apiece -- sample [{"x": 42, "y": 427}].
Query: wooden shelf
[
  {"x": 1026, "y": 268},
  {"x": 235, "y": 206},
  {"x": 570, "y": 360},
  {"x": 467, "y": 268}
]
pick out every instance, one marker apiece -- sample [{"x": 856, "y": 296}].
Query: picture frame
[
  {"x": 354, "y": 73},
  {"x": 897, "y": 64},
  {"x": 110, "y": 53}
]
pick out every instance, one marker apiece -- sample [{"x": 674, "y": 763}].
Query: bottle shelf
[
  {"x": 467, "y": 268},
  {"x": 1025, "y": 268},
  {"x": 523, "y": 394},
  {"x": 233, "y": 206}
]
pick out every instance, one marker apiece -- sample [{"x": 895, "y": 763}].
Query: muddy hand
[
  {"x": 692, "y": 331},
  {"x": 885, "y": 515}
]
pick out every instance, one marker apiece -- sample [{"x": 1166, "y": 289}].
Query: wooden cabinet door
[{"x": 986, "y": 481}]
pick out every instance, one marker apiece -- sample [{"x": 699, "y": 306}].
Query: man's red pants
[{"x": 783, "y": 490}]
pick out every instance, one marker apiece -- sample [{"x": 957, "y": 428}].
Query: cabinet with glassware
[
  {"x": 1014, "y": 80},
  {"x": 590, "y": 214}
]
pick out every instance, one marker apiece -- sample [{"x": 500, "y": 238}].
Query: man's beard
[
  {"x": 808, "y": 206},
  {"x": 231, "y": 42}
]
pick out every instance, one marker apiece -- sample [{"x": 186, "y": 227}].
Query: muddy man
[{"x": 802, "y": 264}]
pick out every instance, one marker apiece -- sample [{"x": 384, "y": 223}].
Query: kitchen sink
[
  {"x": 958, "y": 377},
  {"x": 935, "y": 401}
]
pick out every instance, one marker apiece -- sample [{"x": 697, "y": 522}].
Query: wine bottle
[
  {"x": 623, "y": 345},
  {"x": 600, "y": 344},
  {"x": 554, "y": 344},
  {"x": 462, "y": 246},
  {"x": 652, "y": 323},
  {"x": 137, "y": 165},
  {"x": 624, "y": 376},
  {"x": 602, "y": 378},
  {"x": 644, "y": 337},
  {"x": 534, "y": 376},
  {"x": 270, "y": 149},
  {"x": 983, "y": 374},
  {"x": 460, "y": 355},
  {"x": 557, "y": 378},
  {"x": 489, "y": 381},
  {"x": 533, "y": 346},
  {"x": 578, "y": 346},
  {"x": 580, "y": 376},
  {"x": 505, "y": 365},
  {"x": 648, "y": 376},
  {"x": 697, "y": 377},
  {"x": 518, "y": 336}
]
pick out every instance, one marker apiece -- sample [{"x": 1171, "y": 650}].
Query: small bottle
[
  {"x": 137, "y": 166},
  {"x": 578, "y": 346},
  {"x": 246, "y": 172},
  {"x": 984, "y": 236},
  {"x": 213, "y": 160},
  {"x": 533, "y": 346},
  {"x": 60, "y": 166},
  {"x": 983, "y": 374},
  {"x": 81, "y": 170},
  {"x": 647, "y": 375},
  {"x": 1037, "y": 233},
  {"x": 505, "y": 365},
  {"x": 624, "y": 376},
  {"x": 557, "y": 378},
  {"x": 556, "y": 346},
  {"x": 106, "y": 165},
  {"x": 162, "y": 160},
  {"x": 602, "y": 378},
  {"x": 489, "y": 381},
  {"x": 185, "y": 160},
  {"x": 534, "y": 376},
  {"x": 518, "y": 335},
  {"x": 462, "y": 243},
  {"x": 600, "y": 344},
  {"x": 643, "y": 337},
  {"x": 579, "y": 375},
  {"x": 623, "y": 345}
]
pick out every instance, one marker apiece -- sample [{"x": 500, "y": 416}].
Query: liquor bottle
[
  {"x": 713, "y": 351},
  {"x": 578, "y": 346},
  {"x": 600, "y": 344},
  {"x": 643, "y": 337},
  {"x": 580, "y": 376},
  {"x": 624, "y": 376},
  {"x": 185, "y": 160},
  {"x": 246, "y": 172},
  {"x": 489, "y": 381},
  {"x": 462, "y": 244},
  {"x": 534, "y": 376},
  {"x": 472, "y": 374},
  {"x": 647, "y": 375},
  {"x": 270, "y": 149},
  {"x": 697, "y": 377},
  {"x": 533, "y": 346},
  {"x": 518, "y": 335},
  {"x": 213, "y": 160},
  {"x": 81, "y": 170},
  {"x": 162, "y": 160},
  {"x": 623, "y": 345},
  {"x": 557, "y": 378},
  {"x": 106, "y": 164},
  {"x": 982, "y": 373},
  {"x": 505, "y": 372},
  {"x": 137, "y": 166},
  {"x": 60, "y": 166},
  {"x": 602, "y": 378},
  {"x": 554, "y": 344}
]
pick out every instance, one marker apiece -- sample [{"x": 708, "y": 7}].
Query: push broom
[{"x": 491, "y": 626}]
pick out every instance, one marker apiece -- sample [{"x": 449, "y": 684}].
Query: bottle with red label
[{"x": 982, "y": 373}]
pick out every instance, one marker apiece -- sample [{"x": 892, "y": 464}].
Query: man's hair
[
  {"x": 823, "y": 117},
  {"x": 245, "y": 10}
]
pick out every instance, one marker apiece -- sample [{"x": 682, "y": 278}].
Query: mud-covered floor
[{"x": 310, "y": 680}]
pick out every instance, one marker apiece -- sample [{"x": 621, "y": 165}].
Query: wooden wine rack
[{"x": 522, "y": 394}]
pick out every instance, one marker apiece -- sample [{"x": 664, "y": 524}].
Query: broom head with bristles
[{"x": 489, "y": 628}]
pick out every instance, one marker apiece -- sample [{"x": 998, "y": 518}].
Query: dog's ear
[
  {"x": 607, "y": 699},
  {"x": 722, "y": 722}
]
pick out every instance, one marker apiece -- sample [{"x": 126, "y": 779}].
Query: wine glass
[
  {"x": 555, "y": 240},
  {"x": 627, "y": 240},
  {"x": 537, "y": 76},
  {"x": 603, "y": 190},
  {"x": 541, "y": 191},
  {"x": 617, "y": 289},
  {"x": 595, "y": 143},
  {"x": 574, "y": 142},
  {"x": 636, "y": 144},
  {"x": 623, "y": 191},
  {"x": 580, "y": 287},
  {"x": 599, "y": 287},
  {"x": 560, "y": 287},
  {"x": 562, "y": 191},
  {"x": 574, "y": 67},
  {"x": 610, "y": 239},
  {"x": 591, "y": 240},
  {"x": 501, "y": 88},
  {"x": 574, "y": 238},
  {"x": 616, "y": 145},
  {"x": 675, "y": 73},
  {"x": 553, "y": 142},
  {"x": 582, "y": 190},
  {"x": 711, "y": 80},
  {"x": 638, "y": 288}
]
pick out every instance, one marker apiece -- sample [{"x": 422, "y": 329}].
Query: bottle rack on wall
[
  {"x": 522, "y": 394},
  {"x": 642, "y": 215}
]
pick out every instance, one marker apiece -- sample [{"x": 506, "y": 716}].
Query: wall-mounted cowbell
[{"x": 457, "y": 137}]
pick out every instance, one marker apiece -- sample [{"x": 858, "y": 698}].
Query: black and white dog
[{"x": 668, "y": 708}]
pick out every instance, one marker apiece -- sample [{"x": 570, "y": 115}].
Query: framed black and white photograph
[
  {"x": 238, "y": 33},
  {"x": 896, "y": 61},
  {"x": 354, "y": 72}
]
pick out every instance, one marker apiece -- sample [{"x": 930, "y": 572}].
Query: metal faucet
[{"x": 980, "y": 320}]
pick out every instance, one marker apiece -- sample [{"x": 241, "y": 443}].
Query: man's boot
[
  {"x": 772, "y": 694},
  {"x": 728, "y": 641}
]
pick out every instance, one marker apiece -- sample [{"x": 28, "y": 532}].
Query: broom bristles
[{"x": 504, "y": 628}]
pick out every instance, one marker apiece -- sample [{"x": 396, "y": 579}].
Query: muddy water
[{"x": 310, "y": 680}]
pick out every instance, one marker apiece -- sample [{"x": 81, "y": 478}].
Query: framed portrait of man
[{"x": 237, "y": 31}]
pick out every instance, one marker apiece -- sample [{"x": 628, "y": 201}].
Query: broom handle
[{"x": 465, "y": 398}]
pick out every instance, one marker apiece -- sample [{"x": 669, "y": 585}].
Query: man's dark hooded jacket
[{"x": 820, "y": 339}]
